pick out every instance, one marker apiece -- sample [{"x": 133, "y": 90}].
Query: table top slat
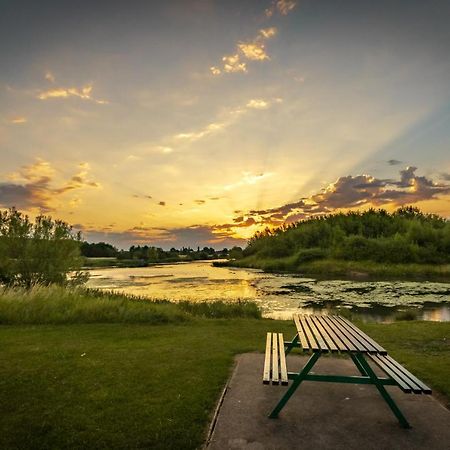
[
  {"x": 301, "y": 333},
  {"x": 328, "y": 340},
  {"x": 377, "y": 346},
  {"x": 320, "y": 340},
  {"x": 312, "y": 342},
  {"x": 283, "y": 368},
  {"x": 342, "y": 336},
  {"x": 359, "y": 341},
  {"x": 339, "y": 344}
]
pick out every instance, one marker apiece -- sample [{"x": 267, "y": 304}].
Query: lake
[{"x": 279, "y": 295}]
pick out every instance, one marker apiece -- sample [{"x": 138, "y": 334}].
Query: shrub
[{"x": 41, "y": 252}]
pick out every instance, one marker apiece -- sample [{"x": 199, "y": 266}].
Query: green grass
[
  {"x": 332, "y": 268},
  {"x": 151, "y": 377},
  {"x": 120, "y": 386},
  {"x": 57, "y": 305}
]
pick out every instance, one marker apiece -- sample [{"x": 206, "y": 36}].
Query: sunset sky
[{"x": 175, "y": 123}]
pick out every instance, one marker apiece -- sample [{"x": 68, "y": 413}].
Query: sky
[{"x": 197, "y": 123}]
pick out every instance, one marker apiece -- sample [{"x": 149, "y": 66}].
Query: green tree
[{"x": 45, "y": 251}]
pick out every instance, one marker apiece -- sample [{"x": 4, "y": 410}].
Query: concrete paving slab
[{"x": 323, "y": 415}]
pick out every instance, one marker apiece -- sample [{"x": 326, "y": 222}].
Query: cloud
[
  {"x": 231, "y": 64},
  {"x": 267, "y": 33},
  {"x": 50, "y": 77},
  {"x": 17, "y": 120},
  {"x": 258, "y": 103},
  {"x": 283, "y": 7},
  {"x": 347, "y": 192},
  {"x": 33, "y": 186},
  {"x": 200, "y": 202},
  {"x": 252, "y": 50},
  {"x": 255, "y": 51},
  {"x": 247, "y": 179},
  {"x": 85, "y": 93},
  {"x": 162, "y": 203},
  {"x": 228, "y": 119},
  {"x": 394, "y": 162},
  {"x": 209, "y": 129}
]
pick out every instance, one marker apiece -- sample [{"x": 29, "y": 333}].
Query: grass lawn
[{"x": 152, "y": 386}]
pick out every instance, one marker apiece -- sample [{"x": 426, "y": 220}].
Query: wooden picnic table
[{"x": 319, "y": 334}]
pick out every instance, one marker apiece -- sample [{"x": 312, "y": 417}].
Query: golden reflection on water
[{"x": 279, "y": 296}]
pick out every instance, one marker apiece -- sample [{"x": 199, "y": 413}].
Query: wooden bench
[
  {"x": 275, "y": 360},
  {"x": 317, "y": 335}
]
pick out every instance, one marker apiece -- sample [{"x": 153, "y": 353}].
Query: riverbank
[{"x": 333, "y": 268}]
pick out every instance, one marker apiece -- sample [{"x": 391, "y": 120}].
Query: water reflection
[{"x": 280, "y": 295}]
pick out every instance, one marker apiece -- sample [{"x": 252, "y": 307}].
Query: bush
[{"x": 43, "y": 252}]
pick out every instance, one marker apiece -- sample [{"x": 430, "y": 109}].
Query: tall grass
[{"x": 58, "y": 305}]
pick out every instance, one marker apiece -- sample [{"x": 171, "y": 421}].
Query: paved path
[{"x": 323, "y": 415}]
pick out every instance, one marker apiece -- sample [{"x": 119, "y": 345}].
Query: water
[{"x": 279, "y": 295}]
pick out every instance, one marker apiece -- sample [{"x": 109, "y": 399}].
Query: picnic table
[{"x": 324, "y": 334}]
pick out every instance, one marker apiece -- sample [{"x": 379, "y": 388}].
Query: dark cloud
[
  {"x": 394, "y": 162},
  {"x": 33, "y": 186},
  {"x": 346, "y": 193},
  {"x": 200, "y": 202},
  {"x": 162, "y": 203}
]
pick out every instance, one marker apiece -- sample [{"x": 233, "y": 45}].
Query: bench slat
[
  {"x": 425, "y": 389},
  {"x": 381, "y": 363},
  {"x": 355, "y": 337},
  {"x": 275, "y": 371},
  {"x": 266, "y": 373},
  {"x": 341, "y": 333},
  {"x": 312, "y": 342},
  {"x": 322, "y": 344},
  {"x": 283, "y": 369},
  {"x": 377, "y": 346},
  {"x": 328, "y": 339},
  {"x": 301, "y": 333},
  {"x": 340, "y": 345}
]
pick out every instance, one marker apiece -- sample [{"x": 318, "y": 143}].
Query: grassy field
[
  {"x": 331, "y": 268},
  {"x": 152, "y": 385}
]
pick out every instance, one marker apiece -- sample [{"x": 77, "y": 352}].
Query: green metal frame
[{"x": 367, "y": 376}]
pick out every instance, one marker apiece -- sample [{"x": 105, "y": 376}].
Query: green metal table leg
[
  {"x": 296, "y": 383},
  {"x": 388, "y": 399},
  {"x": 358, "y": 365},
  {"x": 290, "y": 345}
]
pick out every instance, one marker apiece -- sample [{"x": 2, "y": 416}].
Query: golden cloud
[
  {"x": 283, "y": 7},
  {"x": 267, "y": 33},
  {"x": 18, "y": 120},
  {"x": 84, "y": 93},
  {"x": 255, "y": 51},
  {"x": 258, "y": 103},
  {"x": 232, "y": 63}
]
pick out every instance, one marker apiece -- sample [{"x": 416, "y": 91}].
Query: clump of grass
[
  {"x": 54, "y": 304},
  {"x": 59, "y": 305},
  {"x": 222, "y": 310}
]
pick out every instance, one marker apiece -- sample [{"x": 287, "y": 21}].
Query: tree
[{"x": 45, "y": 251}]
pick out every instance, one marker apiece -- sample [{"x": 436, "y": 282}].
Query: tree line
[
  {"x": 404, "y": 236},
  {"x": 151, "y": 254}
]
